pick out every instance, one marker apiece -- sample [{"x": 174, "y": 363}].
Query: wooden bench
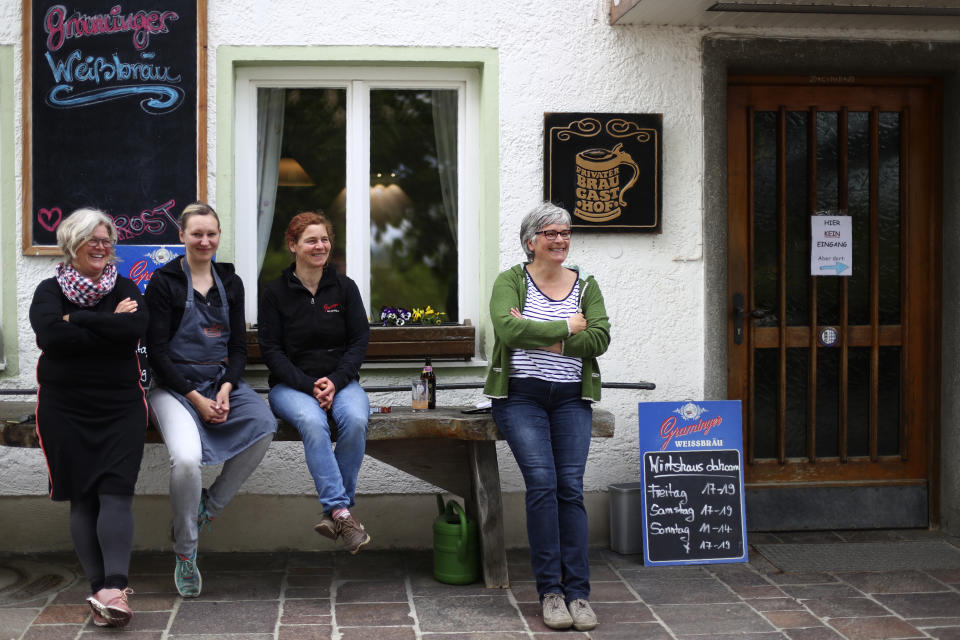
[{"x": 445, "y": 447}]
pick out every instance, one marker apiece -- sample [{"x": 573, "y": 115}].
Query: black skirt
[{"x": 92, "y": 438}]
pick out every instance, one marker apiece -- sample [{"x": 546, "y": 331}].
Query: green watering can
[{"x": 455, "y": 556}]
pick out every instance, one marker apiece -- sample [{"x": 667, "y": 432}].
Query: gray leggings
[
  {"x": 186, "y": 457},
  {"x": 101, "y": 527}
]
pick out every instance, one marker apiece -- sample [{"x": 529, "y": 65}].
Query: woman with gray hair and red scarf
[{"x": 91, "y": 412}]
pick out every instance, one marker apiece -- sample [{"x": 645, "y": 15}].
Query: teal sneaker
[
  {"x": 203, "y": 518},
  {"x": 187, "y": 576}
]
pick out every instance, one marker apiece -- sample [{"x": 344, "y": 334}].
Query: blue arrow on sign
[{"x": 839, "y": 267}]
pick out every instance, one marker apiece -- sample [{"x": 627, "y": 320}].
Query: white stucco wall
[
  {"x": 567, "y": 59},
  {"x": 558, "y": 56}
]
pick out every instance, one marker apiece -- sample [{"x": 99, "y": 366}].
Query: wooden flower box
[
  {"x": 410, "y": 342},
  {"x": 413, "y": 342}
]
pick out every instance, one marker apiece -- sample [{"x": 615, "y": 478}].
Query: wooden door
[{"x": 864, "y": 409}]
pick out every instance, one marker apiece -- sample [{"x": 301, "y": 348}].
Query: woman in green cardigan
[{"x": 550, "y": 325}]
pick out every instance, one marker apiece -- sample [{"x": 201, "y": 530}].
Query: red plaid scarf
[{"x": 81, "y": 290}]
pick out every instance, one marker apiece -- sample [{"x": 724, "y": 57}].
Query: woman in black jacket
[
  {"x": 314, "y": 334},
  {"x": 91, "y": 415},
  {"x": 196, "y": 342}
]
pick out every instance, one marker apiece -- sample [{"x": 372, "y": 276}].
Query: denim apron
[{"x": 199, "y": 352}]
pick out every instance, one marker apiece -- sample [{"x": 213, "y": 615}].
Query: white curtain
[
  {"x": 270, "y": 104},
  {"x": 445, "y": 132}
]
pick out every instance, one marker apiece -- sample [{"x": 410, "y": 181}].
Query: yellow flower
[{"x": 426, "y": 316}]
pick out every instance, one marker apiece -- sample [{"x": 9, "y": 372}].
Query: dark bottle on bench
[{"x": 428, "y": 375}]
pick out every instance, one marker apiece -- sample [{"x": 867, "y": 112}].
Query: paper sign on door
[{"x": 831, "y": 246}]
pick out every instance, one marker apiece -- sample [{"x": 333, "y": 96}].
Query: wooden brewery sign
[
  {"x": 115, "y": 108},
  {"x": 605, "y": 169},
  {"x": 691, "y": 456}
]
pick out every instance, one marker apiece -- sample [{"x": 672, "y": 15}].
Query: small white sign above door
[{"x": 831, "y": 246}]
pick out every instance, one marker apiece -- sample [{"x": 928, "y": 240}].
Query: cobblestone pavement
[{"x": 391, "y": 595}]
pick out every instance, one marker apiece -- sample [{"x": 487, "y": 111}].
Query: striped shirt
[{"x": 537, "y": 363}]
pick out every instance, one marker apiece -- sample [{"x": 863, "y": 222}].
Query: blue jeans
[
  {"x": 334, "y": 472},
  {"x": 547, "y": 426}
]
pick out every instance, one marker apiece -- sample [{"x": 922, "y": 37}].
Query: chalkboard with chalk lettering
[
  {"x": 113, "y": 91},
  {"x": 692, "y": 470},
  {"x": 693, "y": 509}
]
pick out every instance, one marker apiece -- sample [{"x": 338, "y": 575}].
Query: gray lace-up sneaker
[
  {"x": 584, "y": 619},
  {"x": 555, "y": 614}
]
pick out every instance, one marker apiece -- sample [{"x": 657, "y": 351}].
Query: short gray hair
[
  {"x": 545, "y": 213},
  {"x": 79, "y": 227}
]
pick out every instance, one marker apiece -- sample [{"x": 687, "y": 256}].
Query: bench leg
[{"x": 486, "y": 504}]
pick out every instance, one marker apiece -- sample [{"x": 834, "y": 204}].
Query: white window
[{"x": 390, "y": 154}]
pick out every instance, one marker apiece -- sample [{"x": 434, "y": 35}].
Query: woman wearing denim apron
[
  {"x": 196, "y": 342},
  {"x": 550, "y": 324}
]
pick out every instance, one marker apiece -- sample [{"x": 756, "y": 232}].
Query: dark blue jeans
[{"x": 548, "y": 426}]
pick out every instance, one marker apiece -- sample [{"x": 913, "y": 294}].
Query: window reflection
[
  {"x": 413, "y": 195},
  {"x": 413, "y": 187},
  {"x": 313, "y": 124}
]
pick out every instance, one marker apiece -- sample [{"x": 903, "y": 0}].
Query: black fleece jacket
[
  {"x": 304, "y": 337},
  {"x": 166, "y": 298}
]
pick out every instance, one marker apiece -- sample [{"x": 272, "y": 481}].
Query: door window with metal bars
[{"x": 798, "y": 152}]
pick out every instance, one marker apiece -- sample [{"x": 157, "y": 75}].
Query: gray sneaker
[
  {"x": 326, "y": 527},
  {"x": 353, "y": 534},
  {"x": 555, "y": 614},
  {"x": 584, "y": 619}
]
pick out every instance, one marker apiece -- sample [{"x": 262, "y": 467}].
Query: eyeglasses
[
  {"x": 550, "y": 234},
  {"x": 93, "y": 243}
]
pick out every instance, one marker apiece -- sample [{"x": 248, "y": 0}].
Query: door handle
[{"x": 739, "y": 313}]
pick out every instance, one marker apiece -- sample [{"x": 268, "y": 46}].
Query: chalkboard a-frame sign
[
  {"x": 691, "y": 456},
  {"x": 114, "y": 103}
]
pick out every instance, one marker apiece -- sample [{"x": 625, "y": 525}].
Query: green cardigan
[{"x": 510, "y": 290}]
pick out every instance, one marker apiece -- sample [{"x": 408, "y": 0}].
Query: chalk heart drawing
[{"x": 49, "y": 218}]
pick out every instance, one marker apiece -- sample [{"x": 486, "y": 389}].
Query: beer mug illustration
[{"x": 599, "y": 191}]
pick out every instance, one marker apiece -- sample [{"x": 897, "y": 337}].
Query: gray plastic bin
[{"x": 626, "y": 517}]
